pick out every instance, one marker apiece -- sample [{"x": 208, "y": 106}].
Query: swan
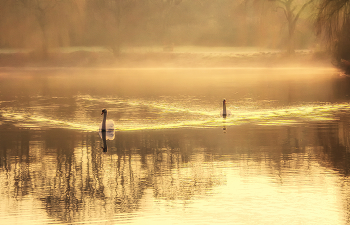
[
  {"x": 106, "y": 126},
  {"x": 224, "y": 108},
  {"x": 225, "y": 112}
]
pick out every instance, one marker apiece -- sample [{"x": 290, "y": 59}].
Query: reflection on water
[
  {"x": 144, "y": 115},
  {"x": 106, "y": 135},
  {"x": 295, "y": 173},
  {"x": 282, "y": 157},
  {"x": 160, "y": 99}
]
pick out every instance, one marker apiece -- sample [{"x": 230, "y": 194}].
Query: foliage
[{"x": 333, "y": 22}]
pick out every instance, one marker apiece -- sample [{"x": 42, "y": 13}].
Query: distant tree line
[
  {"x": 281, "y": 24},
  {"x": 43, "y": 24}
]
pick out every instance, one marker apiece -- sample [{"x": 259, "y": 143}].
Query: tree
[
  {"x": 333, "y": 22},
  {"x": 115, "y": 22},
  {"x": 42, "y": 11},
  {"x": 167, "y": 17},
  {"x": 292, "y": 10}
]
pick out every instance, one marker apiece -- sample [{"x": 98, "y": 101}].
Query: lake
[{"x": 281, "y": 157}]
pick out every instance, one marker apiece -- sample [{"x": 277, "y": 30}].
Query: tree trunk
[
  {"x": 45, "y": 42},
  {"x": 117, "y": 45},
  {"x": 291, "y": 31}
]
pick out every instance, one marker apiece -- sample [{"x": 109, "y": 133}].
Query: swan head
[
  {"x": 104, "y": 111},
  {"x": 224, "y": 101}
]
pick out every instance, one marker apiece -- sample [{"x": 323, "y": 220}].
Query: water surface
[{"x": 280, "y": 158}]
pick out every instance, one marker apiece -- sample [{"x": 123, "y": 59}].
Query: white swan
[{"x": 106, "y": 126}]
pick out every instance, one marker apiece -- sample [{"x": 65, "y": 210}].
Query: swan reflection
[
  {"x": 224, "y": 125},
  {"x": 106, "y": 130},
  {"x": 106, "y": 135}
]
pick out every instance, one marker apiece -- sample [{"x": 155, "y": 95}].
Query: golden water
[{"x": 281, "y": 157}]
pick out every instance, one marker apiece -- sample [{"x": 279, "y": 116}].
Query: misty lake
[{"x": 281, "y": 157}]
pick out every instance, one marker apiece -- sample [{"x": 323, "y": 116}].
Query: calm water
[{"x": 282, "y": 157}]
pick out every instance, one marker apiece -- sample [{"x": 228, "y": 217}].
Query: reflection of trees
[
  {"x": 60, "y": 194},
  {"x": 164, "y": 160},
  {"x": 335, "y": 144},
  {"x": 14, "y": 161},
  {"x": 76, "y": 180}
]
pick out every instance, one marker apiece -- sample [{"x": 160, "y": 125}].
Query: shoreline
[{"x": 176, "y": 60}]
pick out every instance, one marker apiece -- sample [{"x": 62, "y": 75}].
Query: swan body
[{"x": 106, "y": 126}]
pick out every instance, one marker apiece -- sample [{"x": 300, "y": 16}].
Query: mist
[{"x": 117, "y": 27}]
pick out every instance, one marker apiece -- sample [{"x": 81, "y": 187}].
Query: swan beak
[{"x": 101, "y": 113}]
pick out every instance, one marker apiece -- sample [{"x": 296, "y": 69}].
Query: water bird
[
  {"x": 106, "y": 130},
  {"x": 225, "y": 112},
  {"x": 106, "y": 125}
]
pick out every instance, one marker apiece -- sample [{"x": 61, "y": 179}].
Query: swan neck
[
  {"x": 104, "y": 121},
  {"x": 224, "y": 108}
]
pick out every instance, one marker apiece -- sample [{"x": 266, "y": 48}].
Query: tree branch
[{"x": 301, "y": 10}]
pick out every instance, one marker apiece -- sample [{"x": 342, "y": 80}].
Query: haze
[
  {"x": 126, "y": 32},
  {"x": 219, "y": 111}
]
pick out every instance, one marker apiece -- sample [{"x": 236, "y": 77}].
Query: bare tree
[
  {"x": 292, "y": 10},
  {"x": 113, "y": 8},
  {"x": 42, "y": 11},
  {"x": 116, "y": 23},
  {"x": 116, "y": 19},
  {"x": 167, "y": 17}
]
